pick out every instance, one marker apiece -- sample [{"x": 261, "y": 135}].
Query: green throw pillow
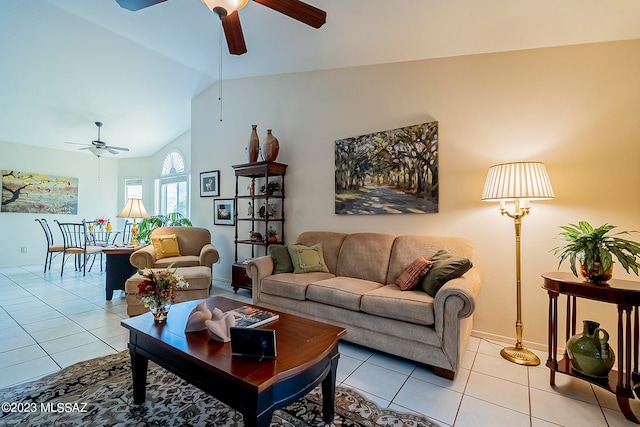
[
  {"x": 307, "y": 259},
  {"x": 281, "y": 259},
  {"x": 445, "y": 267}
]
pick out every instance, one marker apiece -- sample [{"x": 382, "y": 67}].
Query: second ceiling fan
[{"x": 227, "y": 10}]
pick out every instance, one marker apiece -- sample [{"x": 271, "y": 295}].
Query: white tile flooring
[{"x": 48, "y": 322}]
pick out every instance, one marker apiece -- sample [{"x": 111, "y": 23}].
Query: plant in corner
[
  {"x": 594, "y": 249},
  {"x": 172, "y": 219}
]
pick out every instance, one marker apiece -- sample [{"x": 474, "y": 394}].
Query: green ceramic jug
[{"x": 590, "y": 352}]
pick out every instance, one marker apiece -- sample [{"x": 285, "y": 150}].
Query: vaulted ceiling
[{"x": 65, "y": 64}]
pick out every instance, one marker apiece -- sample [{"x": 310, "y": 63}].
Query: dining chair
[
  {"x": 52, "y": 249},
  {"x": 77, "y": 242},
  {"x": 126, "y": 233},
  {"x": 103, "y": 238}
]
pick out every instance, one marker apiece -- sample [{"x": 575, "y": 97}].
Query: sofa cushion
[
  {"x": 344, "y": 292},
  {"x": 366, "y": 256},
  {"x": 178, "y": 261},
  {"x": 389, "y": 301},
  {"x": 165, "y": 246},
  {"x": 331, "y": 243},
  {"x": 407, "y": 248},
  {"x": 412, "y": 275},
  {"x": 281, "y": 259},
  {"x": 290, "y": 285},
  {"x": 445, "y": 267},
  {"x": 307, "y": 259}
]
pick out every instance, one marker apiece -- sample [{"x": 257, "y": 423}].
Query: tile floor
[{"x": 48, "y": 322}]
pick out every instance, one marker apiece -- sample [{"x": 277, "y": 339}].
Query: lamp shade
[
  {"x": 519, "y": 180},
  {"x": 229, "y": 6},
  {"x": 134, "y": 208}
]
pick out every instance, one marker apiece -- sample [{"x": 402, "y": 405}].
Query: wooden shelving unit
[{"x": 248, "y": 217}]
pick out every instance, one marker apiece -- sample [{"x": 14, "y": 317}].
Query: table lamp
[
  {"x": 134, "y": 208},
  {"x": 517, "y": 183}
]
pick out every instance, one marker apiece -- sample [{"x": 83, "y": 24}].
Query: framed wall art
[
  {"x": 223, "y": 211},
  {"x": 210, "y": 184},
  {"x": 30, "y": 192},
  {"x": 388, "y": 172}
]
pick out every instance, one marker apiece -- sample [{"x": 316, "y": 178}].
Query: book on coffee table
[{"x": 251, "y": 317}]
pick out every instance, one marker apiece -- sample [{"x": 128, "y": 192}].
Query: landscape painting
[
  {"x": 389, "y": 172},
  {"x": 29, "y": 192}
]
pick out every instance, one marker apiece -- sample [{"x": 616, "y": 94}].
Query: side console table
[
  {"x": 118, "y": 268},
  {"x": 625, "y": 295}
]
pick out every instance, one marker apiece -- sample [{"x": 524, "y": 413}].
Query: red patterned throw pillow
[{"x": 409, "y": 278}]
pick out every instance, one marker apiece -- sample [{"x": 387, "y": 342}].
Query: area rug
[{"x": 99, "y": 392}]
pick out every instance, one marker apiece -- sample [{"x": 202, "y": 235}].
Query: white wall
[
  {"x": 575, "y": 108},
  {"x": 96, "y": 197}
]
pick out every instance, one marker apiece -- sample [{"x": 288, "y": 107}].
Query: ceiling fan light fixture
[
  {"x": 224, "y": 7},
  {"x": 97, "y": 151}
]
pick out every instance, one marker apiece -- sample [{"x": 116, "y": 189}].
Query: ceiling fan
[
  {"x": 227, "y": 10},
  {"x": 98, "y": 147}
]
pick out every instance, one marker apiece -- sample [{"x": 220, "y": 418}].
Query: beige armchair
[{"x": 194, "y": 247}]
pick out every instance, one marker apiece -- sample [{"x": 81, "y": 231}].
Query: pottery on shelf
[
  {"x": 590, "y": 352},
  {"x": 270, "y": 148},
  {"x": 254, "y": 145}
]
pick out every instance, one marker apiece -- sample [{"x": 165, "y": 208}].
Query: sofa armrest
[
  {"x": 143, "y": 258},
  {"x": 466, "y": 287},
  {"x": 209, "y": 255},
  {"x": 455, "y": 301},
  {"x": 257, "y": 269}
]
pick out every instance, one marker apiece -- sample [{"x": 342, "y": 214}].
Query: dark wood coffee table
[{"x": 307, "y": 356}]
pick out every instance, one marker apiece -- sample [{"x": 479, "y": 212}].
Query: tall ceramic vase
[
  {"x": 270, "y": 148},
  {"x": 590, "y": 352},
  {"x": 254, "y": 145}
]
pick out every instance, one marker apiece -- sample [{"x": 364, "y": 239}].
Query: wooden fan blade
[
  {"x": 233, "y": 33},
  {"x": 297, "y": 10},
  {"x": 134, "y": 5}
]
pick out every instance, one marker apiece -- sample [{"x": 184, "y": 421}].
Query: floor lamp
[{"x": 517, "y": 183}]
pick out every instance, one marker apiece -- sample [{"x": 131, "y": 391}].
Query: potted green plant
[
  {"x": 172, "y": 219},
  {"x": 594, "y": 249},
  {"x": 272, "y": 235},
  {"x": 271, "y": 188}
]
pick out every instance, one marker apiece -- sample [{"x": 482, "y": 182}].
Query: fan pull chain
[{"x": 220, "y": 47}]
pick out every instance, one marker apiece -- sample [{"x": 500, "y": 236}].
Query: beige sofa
[
  {"x": 360, "y": 294},
  {"x": 194, "y": 244}
]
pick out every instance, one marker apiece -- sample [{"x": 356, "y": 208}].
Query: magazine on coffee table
[{"x": 251, "y": 317}]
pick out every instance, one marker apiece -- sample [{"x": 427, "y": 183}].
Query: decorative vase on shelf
[
  {"x": 590, "y": 352},
  {"x": 270, "y": 148},
  {"x": 159, "y": 311},
  {"x": 254, "y": 145}
]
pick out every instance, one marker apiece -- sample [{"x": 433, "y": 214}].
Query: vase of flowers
[
  {"x": 101, "y": 223},
  {"x": 158, "y": 291}
]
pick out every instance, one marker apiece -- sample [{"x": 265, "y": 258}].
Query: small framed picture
[
  {"x": 209, "y": 184},
  {"x": 223, "y": 211}
]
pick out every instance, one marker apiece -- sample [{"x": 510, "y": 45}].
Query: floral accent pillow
[{"x": 410, "y": 277}]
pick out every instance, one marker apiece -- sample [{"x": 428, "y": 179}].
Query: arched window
[{"x": 173, "y": 186}]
